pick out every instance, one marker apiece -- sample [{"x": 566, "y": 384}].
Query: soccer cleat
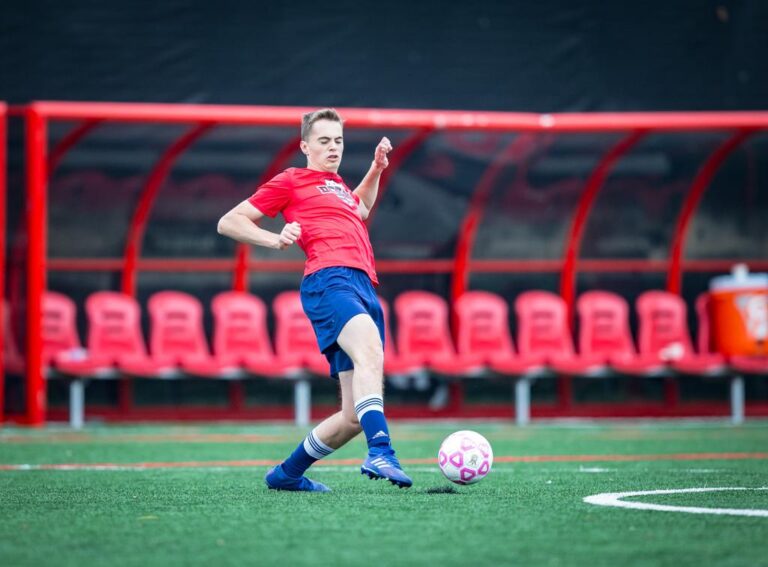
[
  {"x": 382, "y": 463},
  {"x": 276, "y": 479}
]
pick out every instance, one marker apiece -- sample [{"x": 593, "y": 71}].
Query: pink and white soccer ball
[{"x": 465, "y": 457}]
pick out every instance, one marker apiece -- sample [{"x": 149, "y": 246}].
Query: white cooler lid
[{"x": 739, "y": 278}]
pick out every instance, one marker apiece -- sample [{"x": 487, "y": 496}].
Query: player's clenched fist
[
  {"x": 380, "y": 155},
  {"x": 291, "y": 233}
]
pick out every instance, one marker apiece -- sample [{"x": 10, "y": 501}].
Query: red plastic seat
[
  {"x": 423, "y": 334},
  {"x": 115, "y": 337},
  {"x": 604, "y": 335},
  {"x": 240, "y": 334},
  {"x": 483, "y": 332},
  {"x": 543, "y": 335},
  {"x": 394, "y": 362},
  {"x": 664, "y": 335},
  {"x": 177, "y": 336},
  {"x": 62, "y": 349},
  {"x": 295, "y": 341},
  {"x": 59, "y": 327}
]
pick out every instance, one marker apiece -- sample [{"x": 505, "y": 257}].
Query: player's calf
[{"x": 381, "y": 461}]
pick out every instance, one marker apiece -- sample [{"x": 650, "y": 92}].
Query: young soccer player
[{"x": 325, "y": 218}]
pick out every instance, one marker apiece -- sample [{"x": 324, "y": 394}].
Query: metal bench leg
[
  {"x": 76, "y": 404},
  {"x": 523, "y": 401},
  {"x": 302, "y": 398},
  {"x": 737, "y": 400}
]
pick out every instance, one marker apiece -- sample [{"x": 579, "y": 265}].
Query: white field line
[
  {"x": 614, "y": 499},
  {"x": 685, "y": 471}
]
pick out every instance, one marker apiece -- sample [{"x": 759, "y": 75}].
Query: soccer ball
[{"x": 465, "y": 457}]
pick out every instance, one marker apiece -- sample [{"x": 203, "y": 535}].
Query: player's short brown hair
[{"x": 310, "y": 118}]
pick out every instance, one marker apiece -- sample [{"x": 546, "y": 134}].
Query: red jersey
[{"x": 332, "y": 232}]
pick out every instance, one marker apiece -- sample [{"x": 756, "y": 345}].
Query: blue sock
[
  {"x": 308, "y": 451},
  {"x": 370, "y": 413}
]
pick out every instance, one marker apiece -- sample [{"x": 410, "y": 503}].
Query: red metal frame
[
  {"x": 406, "y": 119},
  {"x": 482, "y": 192},
  {"x": 37, "y": 216},
  {"x": 69, "y": 141},
  {"x": 424, "y": 121},
  {"x": 586, "y": 202},
  {"x": 3, "y": 228},
  {"x": 147, "y": 200},
  {"x": 605, "y": 265},
  {"x": 698, "y": 187}
]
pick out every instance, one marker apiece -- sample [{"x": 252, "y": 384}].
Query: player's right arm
[{"x": 241, "y": 224}]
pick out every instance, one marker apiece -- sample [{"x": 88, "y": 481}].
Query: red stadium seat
[
  {"x": 114, "y": 334},
  {"x": 62, "y": 349},
  {"x": 63, "y": 352},
  {"x": 664, "y": 335},
  {"x": 542, "y": 326},
  {"x": 240, "y": 334},
  {"x": 59, "y": 328},
  {"x": 177, "y": 336},
  {"x": 604, "y": 335},
  {"x": 483, "y": 327},
  {"x": 483, "y": 332},
  {"x": 295, "y": 342},
  {"x": 423, "y": 334},
  {"x": 394, "y": 363},
  {"x": 543, "y": 334},
  {"x": 114, "y": 325}
]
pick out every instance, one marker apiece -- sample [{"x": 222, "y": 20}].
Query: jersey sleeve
[{"x": 273, "y": 196}]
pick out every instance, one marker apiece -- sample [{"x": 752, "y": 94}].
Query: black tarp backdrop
[
  {"x": 527, "y": 56},
  {"x": 542, "y": 56}
]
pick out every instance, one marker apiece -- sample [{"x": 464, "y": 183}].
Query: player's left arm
[{"x": 369, "y": 186}]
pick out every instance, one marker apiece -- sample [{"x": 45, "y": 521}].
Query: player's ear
[{"x": 304, "y": 148}]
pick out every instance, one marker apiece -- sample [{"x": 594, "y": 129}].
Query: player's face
[{"x": 324, "y": 146}]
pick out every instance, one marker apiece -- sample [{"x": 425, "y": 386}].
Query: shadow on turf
[{"x": 442, "y": 490}]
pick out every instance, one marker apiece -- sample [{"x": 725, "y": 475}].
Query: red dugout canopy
[{"x": 41, "y": 161}]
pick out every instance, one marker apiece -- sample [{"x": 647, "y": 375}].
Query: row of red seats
[
  {"x": 545, "y": 343},
  {"x": 241, "y": 343},
  {"x": 177, "y": 343}
]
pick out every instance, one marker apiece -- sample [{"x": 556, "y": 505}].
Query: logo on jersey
[{"x": 339, "y": 190}]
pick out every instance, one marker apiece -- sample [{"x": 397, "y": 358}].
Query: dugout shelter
[{"x": 125, "y": 197}]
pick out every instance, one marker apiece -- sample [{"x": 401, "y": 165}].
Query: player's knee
[{"x": 351, "y": 423}]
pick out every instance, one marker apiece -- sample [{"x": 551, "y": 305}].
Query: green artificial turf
[{"x": 524, "y": 513}]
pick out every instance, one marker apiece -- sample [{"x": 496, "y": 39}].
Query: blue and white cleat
[
  {"x": 382, "y": 463},
  {"x": 276, "y": 479}
]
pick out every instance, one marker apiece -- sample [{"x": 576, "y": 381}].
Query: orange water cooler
[{"x": 739, "y": 312}]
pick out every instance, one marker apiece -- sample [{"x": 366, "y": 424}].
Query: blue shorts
[{"x": 331, "y": 297}]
